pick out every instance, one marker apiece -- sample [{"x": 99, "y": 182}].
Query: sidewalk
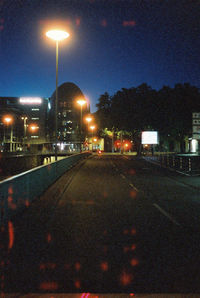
[{"x": 192, "y": 181}]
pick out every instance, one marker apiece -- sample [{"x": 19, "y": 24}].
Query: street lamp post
[
  {"x": 56, "y": 35},
  {"x": 88, "y": 119},
  {"x": 81, "y": 102},
  {"x": 92, "y": 129},
  {"x": 8, "y": 120},
  {"x": 25, "y": 127}
]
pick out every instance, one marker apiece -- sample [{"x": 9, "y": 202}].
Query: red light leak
[
  {"x": 11, "y": 235},
  {"x": 131, "y": 172},
  {"x": 126, "y": 279},
  {"x": 104, "y": 266},
  {"x": 134, "y": 262},
  {"x": 27, "y": 204},
  {"x": 49, "y": 238},
  {"x": 133, "y": 194},
  {"x": 10, "y": 203},
  {"x": 10, "y": 190},
  {"x": 133, "y": 246},
  {"x": 77, "y": 284},
  {"x": 133, "y": 231},
  {"x": 86, "y": 295},
  {"x": 47, "y": 285},
  {"x": 77, "y": 266}
]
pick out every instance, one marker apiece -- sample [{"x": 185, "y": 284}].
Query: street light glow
[
  {"x": 88, "y": 119},
  {"x": 81, "y": 102},
  {"x": 7, "y": 120},
  {"x": 34, "y": 127},
  {"x": 57, "y": 34}
]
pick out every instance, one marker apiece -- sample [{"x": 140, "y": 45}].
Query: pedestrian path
[{"x": 193, "y": 181}]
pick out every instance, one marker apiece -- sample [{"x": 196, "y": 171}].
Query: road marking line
[
  {"x": 167, "y": 215},
  {"x": 122, "y": 176},
  {"x": 134, "y": 187}
]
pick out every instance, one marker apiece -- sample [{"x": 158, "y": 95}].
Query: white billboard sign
[
  {"x": 149, "y": 137},
  {"x": 30, "y": 100}
]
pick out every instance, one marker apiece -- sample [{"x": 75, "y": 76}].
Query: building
[
  {"x": 71, "y": 127},
  {"x": 28, "y": 123},
  {"x": 23, "y": 122}
]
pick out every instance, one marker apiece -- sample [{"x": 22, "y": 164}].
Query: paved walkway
[{"x": 190, "y": 180}]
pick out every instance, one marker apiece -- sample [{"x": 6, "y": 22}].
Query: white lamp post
[{"x": 57, "y": 35}]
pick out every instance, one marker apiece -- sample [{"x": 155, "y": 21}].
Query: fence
[
  {"x": 186, "y": 163},
  {"x": 18, "y": 192}
]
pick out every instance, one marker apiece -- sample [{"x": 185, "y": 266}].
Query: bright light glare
[
  {"x": 34, "y": 127},
  {"x": 81, "y": 102},
  {"x": 88, "y": 119},
  {"x": 7, "y": 120},
  {"x": 57, "y": 34},
  {"x": 30, "y": 100}
]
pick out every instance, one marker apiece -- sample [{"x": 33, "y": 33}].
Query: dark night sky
[{"x": 113, "y": 44}]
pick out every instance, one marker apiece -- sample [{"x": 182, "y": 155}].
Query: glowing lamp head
[
  {"x": 57, "y": 35},
  {"x": 33, "y": 128},
  {"x": 81, "y": 102},
  {"x": 92, "y": 127},
  {"x": 7, "y": 120},
  {"x": 88, "y": 119}
]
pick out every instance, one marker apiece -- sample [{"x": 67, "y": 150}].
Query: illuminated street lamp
[
  {"x": 33, "y": 128},
  {"x": 57, "y": 35},
  {"x": 8, "y": 120},
  {"x": 25, "y": 126},
  {"x": 92, "y": 129},
  {"x": 81, "y": 102},
  {"x": 88, "y": 119}
]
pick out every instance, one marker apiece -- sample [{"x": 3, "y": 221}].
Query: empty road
[{"x": 112, "y": 224}]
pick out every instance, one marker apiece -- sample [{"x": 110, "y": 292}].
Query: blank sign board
[{"x": 150, "y": 137}]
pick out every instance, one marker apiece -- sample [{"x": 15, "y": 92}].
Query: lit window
[
  {"x": 35, "y": 118},
  {"x": 34, "y": 109}
]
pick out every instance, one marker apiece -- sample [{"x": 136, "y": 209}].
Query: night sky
[{"x": 113, "y": 44}]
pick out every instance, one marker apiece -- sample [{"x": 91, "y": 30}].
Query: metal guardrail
[
  {"x": 18, "y": 192},
  {"x": 186, "y": 163}
]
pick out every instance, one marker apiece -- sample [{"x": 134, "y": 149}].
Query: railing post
[
  {"x": 189, "y": 165},
  {"x": 173, "y": 161},
  {"x": 167, "y": 160},
  {"x": 181, "y": 163}
]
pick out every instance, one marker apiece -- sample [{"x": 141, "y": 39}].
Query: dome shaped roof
[{"x": 68, "y": 91}]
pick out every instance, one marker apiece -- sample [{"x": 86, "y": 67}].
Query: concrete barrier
[{"x": 18, "y": 192}]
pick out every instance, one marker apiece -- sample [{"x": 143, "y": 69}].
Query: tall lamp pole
[
  {"x": 9, "y": 120},
  {"x": 57, "y": 35},
  {"x": 81, "y": 102}
]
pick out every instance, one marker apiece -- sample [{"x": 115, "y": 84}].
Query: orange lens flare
[{"x": 11, "y": 235}]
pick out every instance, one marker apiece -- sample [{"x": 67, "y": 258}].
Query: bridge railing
[
  {"x": 18, "y": 192},
  {"x": 185, "y": 163}
]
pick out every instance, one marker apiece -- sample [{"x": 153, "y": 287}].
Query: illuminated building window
[
  {"x": 35, "y": 109},
  {"x": 34, "y": 137},
  {"x": 35, "y": 118}
]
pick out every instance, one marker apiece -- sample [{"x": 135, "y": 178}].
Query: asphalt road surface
[{"x": 112, "y": 224}]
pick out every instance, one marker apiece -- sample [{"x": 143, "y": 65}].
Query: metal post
[
  {"x": 81, "y": 130},
  {"x": 11, "y": 137},
  {"x": 181, "y": 163},
  {"x": 173, "y": 161},
  {"x": 189, "y": 165},
  {"x": 56, "y": 105},
  {"x": 112, "y": 140}
]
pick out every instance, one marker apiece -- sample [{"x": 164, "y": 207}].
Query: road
[{"x": 112, "y": 224}]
